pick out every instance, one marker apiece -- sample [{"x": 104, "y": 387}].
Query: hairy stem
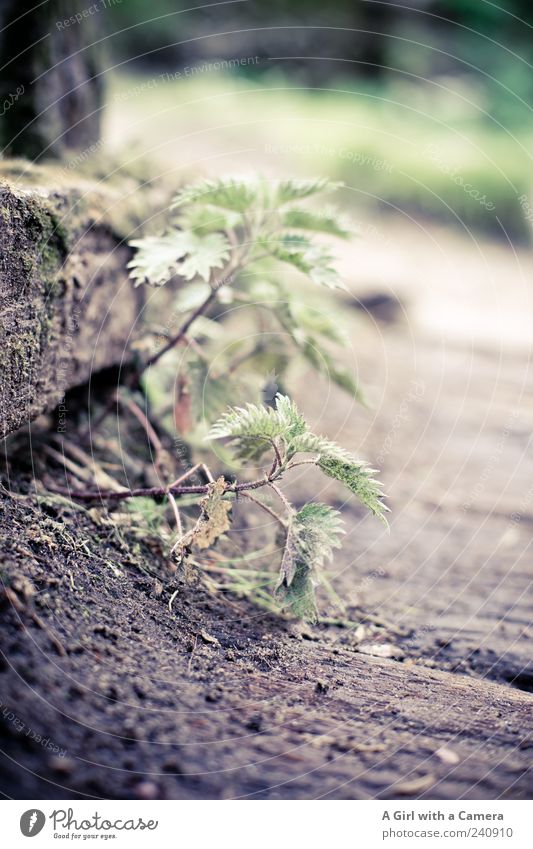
[
  {"x": 278, "y": 462},
  {"x": 265, "y": 507},
  {"x": 141, "y": 417},
  {"x": 237, "y": 263},
  {"x": 180, "y": 335},
  {"x": 309, "y": 462},
  {"x": 161, "y": 491},
  {"x": 286, "y": 503},
  {"x": 177, "y": 516}
]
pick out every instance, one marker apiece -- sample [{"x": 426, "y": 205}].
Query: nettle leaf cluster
[
  {"x": 244, "y": 249},
  {"x": 307, "y": 536},
  {"x": 242, "y": 243}
]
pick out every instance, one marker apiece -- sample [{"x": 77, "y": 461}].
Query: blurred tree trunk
[
  {"x": 50, "y": 91},
  {"x": 377, "y": 19}
]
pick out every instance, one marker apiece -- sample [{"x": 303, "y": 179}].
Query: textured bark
[
  {"x": 50, "y": 88},
  {"x": 66, "y": 305}
]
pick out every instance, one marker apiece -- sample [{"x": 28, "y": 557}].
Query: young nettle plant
[
  {"x": 307, "y": 536},
  {"x": 279, "y": 437},
  {"x": 230, "y": 240},
  {"x": 229, "y": 235}
]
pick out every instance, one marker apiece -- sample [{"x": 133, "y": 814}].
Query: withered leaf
[{"x": 214, "y": 519}]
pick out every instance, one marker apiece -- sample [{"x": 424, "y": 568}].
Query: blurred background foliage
[
  {"x": 483, "y": 44},
  {"x": 422, "y": 105}
]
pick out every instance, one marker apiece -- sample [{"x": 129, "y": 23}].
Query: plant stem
[
  {"x": 141, "y": 417},
  {"x": 286, "y": 503},
  {"x": 177, "y": 516},
  {"x": 161, "y": 491},
  {"x": 265, "y": 507},
  {"x": 237, "y": 262},
  {"x": 277, "y": 453},
  {"x": 175, "y": 340},
  {"x": 309, "y": 462}
]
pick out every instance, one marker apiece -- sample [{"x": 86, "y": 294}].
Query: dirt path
[
  {"x": 451, "y": 382},
  {"x": 214, "y": 700}
]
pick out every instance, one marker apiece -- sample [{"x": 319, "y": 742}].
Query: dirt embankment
[{"x": 107, "y": 693}]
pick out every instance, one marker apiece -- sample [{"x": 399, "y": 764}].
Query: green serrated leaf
[
  {"x": 209, "y": 219},
  {"x": 313, "y": 260},
  {"x": 292, "y": 190},
  {"x": 359, "y": 479},
  {"x": 322, "y": 273},
  {"x": 310, "y": 443},
  {"x": 234, "y": 193},
  {"x": 157, "y": 258},
  {"x": 252, "y": 428},
  {"x": 299, "y": 597},
  {"x": 311, "y": 536},
  {"x": 205, "y": 253},
  {"x": 311, "y": 348},
  {"x": 289, "y": 560},
  {"x": 180, "y": 252},
  {"x": 302, "y": 219}
]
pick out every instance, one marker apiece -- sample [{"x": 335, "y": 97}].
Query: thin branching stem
[
  {"x": 182, "y": 332},
  {"x": 279, "y": 459},
  {"x": 160, "y": 491},
  {"x": 236, "y": 263},
  {"x": 286, "y": 503},
  {"x": 198, "y": 350},
  {"x": 310, "y": 462},
  {"x": 177, "y": 517},
  {"x": 188, "y": 474},
  {"x": 265, "y": 507},
  {"x": 141, "y": 417}
]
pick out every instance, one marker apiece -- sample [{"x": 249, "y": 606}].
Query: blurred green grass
[{"x": 428, "y": 149}]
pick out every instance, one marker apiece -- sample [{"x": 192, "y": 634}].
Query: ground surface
[{"x": 216, "y": 698}]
